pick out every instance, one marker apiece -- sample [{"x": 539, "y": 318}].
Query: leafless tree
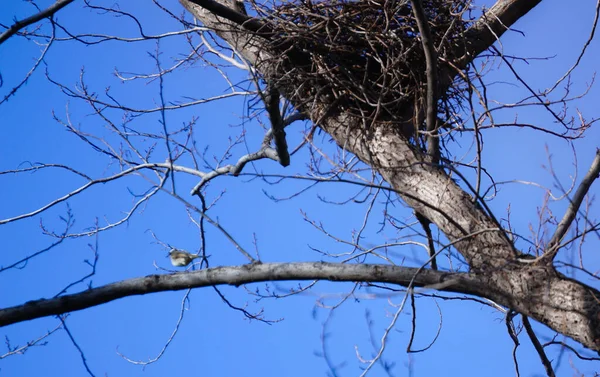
[{"x": 394, "y": 84}]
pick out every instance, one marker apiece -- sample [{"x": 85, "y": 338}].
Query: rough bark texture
[
  {"x": 252, "y": 273},
  {"x": 538, "y": 291}
]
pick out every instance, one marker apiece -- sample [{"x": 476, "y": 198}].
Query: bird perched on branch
[{"x": 180, "y": 258}]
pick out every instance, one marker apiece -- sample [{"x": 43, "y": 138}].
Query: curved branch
[
  {"x": 99, "y": 181},
  {"x": 252, "y": 273}
]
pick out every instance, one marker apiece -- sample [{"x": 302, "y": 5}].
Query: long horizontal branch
[{"x": 238, "y": 275}]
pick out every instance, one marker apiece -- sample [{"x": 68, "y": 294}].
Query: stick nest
[{"x": 363, "y": 57}]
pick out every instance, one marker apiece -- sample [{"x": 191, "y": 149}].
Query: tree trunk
[{"x": 535, "y": 290}]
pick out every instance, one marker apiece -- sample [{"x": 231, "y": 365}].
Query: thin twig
[
  {"x": 182, "y": 311},
  {"x": 81, "y": 354},
  {"x": 510, "y": 327},
  {"x": 426, "y": 224},
  {"x": 538, "y": 347},
  {"x": 567, "y": 220}
]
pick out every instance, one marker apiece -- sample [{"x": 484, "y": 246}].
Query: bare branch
[
  {"x": 48, "y": 12},
  {"x": 230, "y": 14},
  {"x": 236, "y": 276},
  {"x": 430, "y": 245},
  {"x": 277, "y": 125},
  {"x": 583, "y": 50},
  {"x": 236, "y": 169},
  {"x": 512, "y": 332},
  {"x": 98, "y": 181},
  {"x": 433, "y": 141},
  {"x": 388, "y": 329},
  {"x": 538, "y": 347},
  {"x": 567, "y": 220},
  {"x": 38, "y": 342},
  {"x": 495, "y": 22},
  {"x": 81, "y": 353},
  {"x": 168, "y": 342},
  {"x": 264, "y": 152},
  {"x": 37, "y": 63}
]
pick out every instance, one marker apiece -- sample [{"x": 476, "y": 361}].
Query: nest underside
[{"x": 364, "y": 57}]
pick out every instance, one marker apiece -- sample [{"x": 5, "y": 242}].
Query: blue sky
[{"x": 214, "y": 340}]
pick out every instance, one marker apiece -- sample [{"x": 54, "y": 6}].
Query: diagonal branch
[
  {"x": 98, "y": 181},
  {"x": 48, "y": 12},
  {"x": 538, "y": 347},
  {"x": 567, "y": 220},
  {"x": 494, "y": 22},
  {"x": 233, "y": 15},
  {"x": 400, "y": 168}
]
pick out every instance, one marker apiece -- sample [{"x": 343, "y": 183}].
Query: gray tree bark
[
  {"x": 533, "y": 289},
  {"x": 536, "y": 290}
]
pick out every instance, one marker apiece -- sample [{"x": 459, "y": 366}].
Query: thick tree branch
[
  {"x": 48, "y": 12},
  {"x": 252, "y": 273},
  {"x": 552, "y": 298},
  {"x": 538, "y": 291},
  {"x": 486, "y": 31},
  {"x": 231, "y": 14},
  {"x": 248, "y": 45}
]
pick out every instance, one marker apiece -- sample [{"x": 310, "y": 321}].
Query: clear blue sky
[{"x": 213, "y": 339}]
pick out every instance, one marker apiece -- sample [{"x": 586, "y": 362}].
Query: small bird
[{"x": 180, "y": 258}]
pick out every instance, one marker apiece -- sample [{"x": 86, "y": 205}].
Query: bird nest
[{"x": 363, "y": 57}]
